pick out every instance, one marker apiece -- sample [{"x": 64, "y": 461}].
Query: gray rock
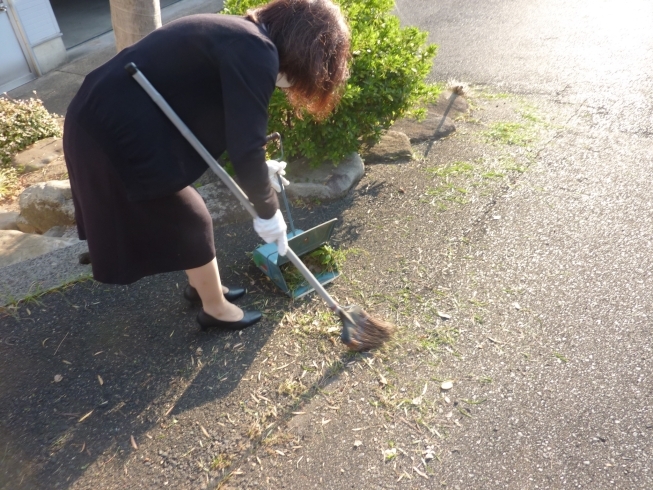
[
  {"x": 393, "y": 145},
  {"x": 23, "y": 225},
  {"x": 55, "y": 232},
  {"x": 47, "y": 204},
  {"x": 16, "y": 246},
  {"x": 70, "y": 234},
  {"x": 327, "y": 182},
  {"x": 42, "y": 273},
  {"x": 40, "y": 154},
  {"x": 8, "y": 220}
]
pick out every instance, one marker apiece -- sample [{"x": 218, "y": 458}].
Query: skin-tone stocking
[{"x": 206, "y": 279}]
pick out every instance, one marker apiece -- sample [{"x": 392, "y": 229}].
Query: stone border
[{"x": 42, "y": 273}]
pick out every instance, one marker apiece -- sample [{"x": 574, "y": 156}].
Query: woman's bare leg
[{"x": 206, "y": 279}]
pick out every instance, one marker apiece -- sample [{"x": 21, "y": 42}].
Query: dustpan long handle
[
  {"x": 285, "y": 201},
  {"x": 222, "y": 173}
]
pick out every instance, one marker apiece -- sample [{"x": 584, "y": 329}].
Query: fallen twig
[{"x": 64, "y": 338}]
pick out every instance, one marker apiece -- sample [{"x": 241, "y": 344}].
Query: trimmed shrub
[
  {"x": 8, "y": 182},
  {"x": 389, "y": 67},
  {"x": 23, "y": 122}
]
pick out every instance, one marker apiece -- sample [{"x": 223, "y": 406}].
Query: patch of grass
[
  {"x": 31, "y": 298},
  {"x": 509, "y": 133},
  {"x": 221, "y": 461},
  {"x": 517, "y": 168},
  {"x": 473, "y": 402},
  {"x": 448, "y": 192},
  {"x": 477, "y": 302},
  {"x": 439, "y": 337},
  {"x": 531, "y": 116},
  {"x": 255, "y": 430},
  {"x": 455, "y": 168},
  {"x": 291, "y": 388},
  {"x": 36, "y": 291},
  {"x": 461, "y": 181},
  {"x": 439, "y": 294},
  {"x": 309, "y": 323},
  {"x": 560, "y": 356},
  {"x": 497, "y": 96},
  {"x": 493, "y": 174},
  {"x": 61, "y": 441},
  {"x": 278, "y": 437},
  {"x": 333, "y": 369},
  {"x": 464, "y": 412}
]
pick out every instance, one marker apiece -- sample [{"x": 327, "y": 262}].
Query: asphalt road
[
  {"x": 575, "y": 234},
  {"x": 571, "y": 51}
]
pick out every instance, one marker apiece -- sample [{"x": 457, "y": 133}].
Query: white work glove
[
  {"x": 277, "y": 168},
  {"x": 273, "y": 230}
]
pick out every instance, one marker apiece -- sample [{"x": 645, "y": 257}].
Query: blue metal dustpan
[
  {"x": 266, "y": 257},
  {"x": 301, "y": 242}
]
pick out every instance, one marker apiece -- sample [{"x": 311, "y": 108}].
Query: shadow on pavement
[{"x": 84, "y": 368}]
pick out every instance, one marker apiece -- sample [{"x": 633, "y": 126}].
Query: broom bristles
[
  {"x": 373, "y": 333},
  {"x": 367, "y": 332}
]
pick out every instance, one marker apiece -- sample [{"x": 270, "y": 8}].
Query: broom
[{"x": 360, "y": 331}]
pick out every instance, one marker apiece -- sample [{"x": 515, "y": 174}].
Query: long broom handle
[{"x": 222, "y": 173}]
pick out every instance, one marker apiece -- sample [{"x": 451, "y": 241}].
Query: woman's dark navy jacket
[{"x": 218, "y": 73}]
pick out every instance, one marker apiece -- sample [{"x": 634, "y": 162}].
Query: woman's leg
[{"x": 206, "y": 279}]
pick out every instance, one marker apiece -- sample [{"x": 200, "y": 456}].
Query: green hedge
[
  {"x": 389, "y": 67},
  {"x": 23, "y": 122}
]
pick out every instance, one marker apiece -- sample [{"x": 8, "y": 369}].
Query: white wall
[
  {"x": 37, "y": 19},
  {"x": 40, "y": 27},
  {"x": 50, "y": 54}
]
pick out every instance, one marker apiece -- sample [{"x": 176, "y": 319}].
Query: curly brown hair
[{"x": 313, "y": 41}]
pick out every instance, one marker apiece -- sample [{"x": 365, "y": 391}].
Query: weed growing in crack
[
  {"x": 221, "y": 461},
  {"x": 291, "y": 388}
]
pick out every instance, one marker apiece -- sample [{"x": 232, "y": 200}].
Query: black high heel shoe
[
  {"x": 191, "y": 294},
  {"x": 206, "y": 321}
]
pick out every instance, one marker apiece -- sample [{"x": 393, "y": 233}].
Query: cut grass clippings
[{"x": 321, "y": 260}]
